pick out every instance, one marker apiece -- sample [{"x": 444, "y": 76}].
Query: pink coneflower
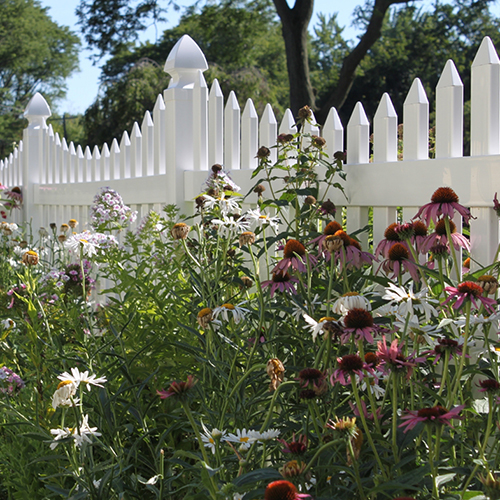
[
  {"x": 399, "y": 261},
  {"x": 496, "y": 205},
  {"x": 489, "y": 385},
  {"x": 436, "y": 415},
  {"x": 391, "y": 236},
  {"x": 178, "y": 389},
  {"x": 346, "y": 250},
  {"x": 294, "y": 255},
  {"x": 330, "y": 229},
  {"x": 349, "y": 365},
  {"x": 444, "y": 202},
  {"x": 468, "y": 290},
  {"x": 368, "y": 415},
  {"x": 439, "y": 237},
  {"x": 283, "y": 490},
  {"x": 282, "y": 282},
  {"x": 392, "y": 358},
  {"x": 311, "y": 376},
  {"x": 360, "y": 322},
  {"x": 295, "y": 446},
  {"x": 419, "y": 234},
  {"x": 445, "y": 347}
]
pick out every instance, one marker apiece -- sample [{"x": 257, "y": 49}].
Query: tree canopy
[{"x": 36, "y": 54}]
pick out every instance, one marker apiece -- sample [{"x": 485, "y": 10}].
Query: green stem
[{"x": 452, "y": 248}]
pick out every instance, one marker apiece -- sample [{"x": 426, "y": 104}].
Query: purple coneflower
[
  {"x": 439, "y": 237},
  {"x": 282, "y": 282},
  {"x": 489, "y": 385},
  {"x": 436, "y": 415},
  {"x": 330, "y": 229},
  {"x": 391, "y": 236},
  {"x": 294, "y": 255},
  {"x": 444, "y": 202},
  {"x": 392, "y": 358},
  {"x": 178, "y": 389},
  {"x": 468, "y": 290},
  {"x": 349, "y": 365},
  {"x": 399, "y": 261},
  {"x": 445, "y": 346},
  {"x": 283, "y": 490},
  {"x": 295, "y": 446},
  {"x": 360, "y": 323}
]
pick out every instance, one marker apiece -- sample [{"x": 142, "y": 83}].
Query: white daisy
[
  {"x": 260, "y": 219},
  {"x": 226, "y": 205},
  {"x": 225, "y": 310},
  {"x": 266, "y": 435},
  {"x": 63, "y": 396},
  {"x": 408, "y": 303},
  {"x": 77, "y": 377},
  {"x": 60, "y": 434},
  {"x": 316, "y": 327},
  {"x": 82, "y": 242},
  {"x": 210, "y": 438},
  {"x": 243, "y": 437},
  {"x": 348, "y": 301},
  {"x": 82, "y": 435},
  {"x": 228, "y": 226}
]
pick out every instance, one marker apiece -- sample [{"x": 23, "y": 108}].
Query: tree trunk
[{"x": 294, "y": 24}]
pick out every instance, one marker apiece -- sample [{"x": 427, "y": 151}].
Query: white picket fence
[{"x": 167, "y": 158}]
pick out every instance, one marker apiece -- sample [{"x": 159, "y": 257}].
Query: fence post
[
  {"x": 34, "y": 137},
  {"x": 185, "y": 63}
]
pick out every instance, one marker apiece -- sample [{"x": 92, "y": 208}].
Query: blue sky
[{"x": 83, "y": 85}]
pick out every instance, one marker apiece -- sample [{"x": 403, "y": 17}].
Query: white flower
[
  {"x": 81, "y": 241},
  {"x": 351, "y": 300},
  {"x": 63, "y": 396},
  {"x": 243, "y": 437},
  {"x": 59, "y": 434},
  {"x": 298, "y": 310},
  {"x": 260, "y": 219},
  {"x": 82, "y": 434},
  {"x": 374, "y": 387},
  {"x": 7, "y": 324},
  {"x": 316, "y": 327},
  {"x": 228, "y": 226},
  {"x": 266, "y": 435},
  {"x": 226, "y": 205},
  {"x": 210, "y": 438},
  {"x": 225, "y": 310},
  {"x": 408, "y": 303},
  {"x": 77, "y": 377}
]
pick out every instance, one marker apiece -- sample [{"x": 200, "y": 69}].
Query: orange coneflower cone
[{"x": 283, "y": 490}]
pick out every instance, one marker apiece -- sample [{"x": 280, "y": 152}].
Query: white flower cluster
[
  {"x": 90, "y": 243},
  {"x": 109, "y": 209}
]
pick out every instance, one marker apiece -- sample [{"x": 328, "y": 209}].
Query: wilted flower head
[
  {"x": 178, "y": 389},
  {"x": 489, "y": 283},
  {"x": 263, "y": 153},
  {"x": 204, "y": 317},
  {"x": 180, "y": 231},
  {"x": 276, "y": 372},
  {"x": 292, "y": 468},
  {"x": 30, "y": 258}
]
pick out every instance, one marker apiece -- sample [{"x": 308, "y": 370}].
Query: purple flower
[
  {"x": 444, "y": 202},
  {"x": 468, "y": 290},
  {"x": 434, "y": 415},
  {"x": 282, "y": 282}
]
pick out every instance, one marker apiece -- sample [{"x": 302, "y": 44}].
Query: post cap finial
[{"x": 37, "y": 111}]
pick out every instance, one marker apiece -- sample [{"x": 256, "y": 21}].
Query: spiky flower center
[
  {"x": 292, "y": 248},
  {"x": 310, "y": 374},
  {"x": 398, "y": 252},
  {"x": 470, "y": 288},
  {"x": 434, "y": 412},
  {"x": 420, "y": 228},
  {"x": 204, "y": 312},
  {"x": 371, "y": 359},
  {"x": 390, "y": 233},
  {"x": 444, "y": 195},
  {"x": 351, "y": 363},
  {"x": 280, "y": 278},
  {"x": 489, "y": 384},
  {"x": 280, "y": 490},
  {"x": 332, "y": 228},
  {"x": 358, "y": 318},
  {"x": 441, "y": 227}
]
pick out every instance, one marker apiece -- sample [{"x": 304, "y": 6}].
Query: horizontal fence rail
[{"x": 166, "y": 159}]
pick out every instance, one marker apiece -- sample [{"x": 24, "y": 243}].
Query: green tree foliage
[
  {"x": 417, "y": 43},
  {"x": 242, "y": 44},
  {"x": 36, "y": 54}
]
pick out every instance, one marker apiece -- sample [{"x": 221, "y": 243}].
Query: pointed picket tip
[
  {"x": 72, "y": 150},
  {"x": 125, "y": 139},
  {"x": 57, "y": 139},
  {"x": 160, "y": 103},
  {"x": 147, "y": 120},
  {"x": 79, "y": 151},
  {"x": 200, "y": 82},
  {"x": 385, "y": 108},
  {"x": 334, "y": 118},
  {"x": 51, "y": 131},
  {"x": 450, "y": 76},
  {"x": 417, "y": 94},
  {"x": 358, "y": 116},
  {"x": 268, "y": 115},
  {"x": 288, "y": 123},
  {"x": 95, "y": 153},
  {"x": 249, "y": 111},
  {"x": 115, "y": 148},
  {"x": 64, "y": 144},
  {"x": 232, "y": 101},
  {"x": 88, "y": 154},
  {"x": 215, "y": 89},
  {"x": 486, "y": 54},
  {"x": 105, "y": 150},
  {"x": 37, "y": 107},
  {"x": 136, "y": 130}
]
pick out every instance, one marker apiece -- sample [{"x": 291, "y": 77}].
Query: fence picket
[
  {"x": 358, "y": 136},
  {"x": 159, "y": 135},
  {"x": 147, "y": 129},
  {"x": 249, "y": 136},
  {"x": 215, "y": 125},
  {"x": 232, "y": 133},
  {"x": 200, "y": 123},
  {"x": 385, "y": 131},
  {"x": 333, "y": 133},
  {"x": 449, "y": 113},
  {"x": 416, "y": 123},
  {"x": 268, "y": 131},
  {"x": 105, "y": 158},
  {"x": 114, "y": 160},
  {"x": 135, "y": 151}
]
